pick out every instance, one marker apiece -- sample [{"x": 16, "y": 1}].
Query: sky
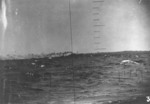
[{"x": 43, "y": 26}]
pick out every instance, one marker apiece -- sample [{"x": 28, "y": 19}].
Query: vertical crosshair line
[{"x": 72, "y": 61}]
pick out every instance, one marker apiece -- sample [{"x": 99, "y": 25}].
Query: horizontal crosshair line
[
  {"x": 100, "y": 48},
  {"x": 97, "y": 25},
  {"x": 96, "y": 19},
  {"x": 97, "y": 1},
  {"x": 95, "y": 7},
  {"x": 97, "y": 31},
  {"x": 97, "y": 43},
  {"x": 97, "y": 37},
  {"x": 95, "y": 13}
]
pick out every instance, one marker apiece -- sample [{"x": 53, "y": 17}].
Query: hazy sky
[{"x": 43, "y": 26}]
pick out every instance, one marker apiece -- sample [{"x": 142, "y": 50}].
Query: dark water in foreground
[{"x": 91, "y": 80}]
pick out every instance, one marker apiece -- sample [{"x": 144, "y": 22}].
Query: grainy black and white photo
[{"x": 74, "y": 51}]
